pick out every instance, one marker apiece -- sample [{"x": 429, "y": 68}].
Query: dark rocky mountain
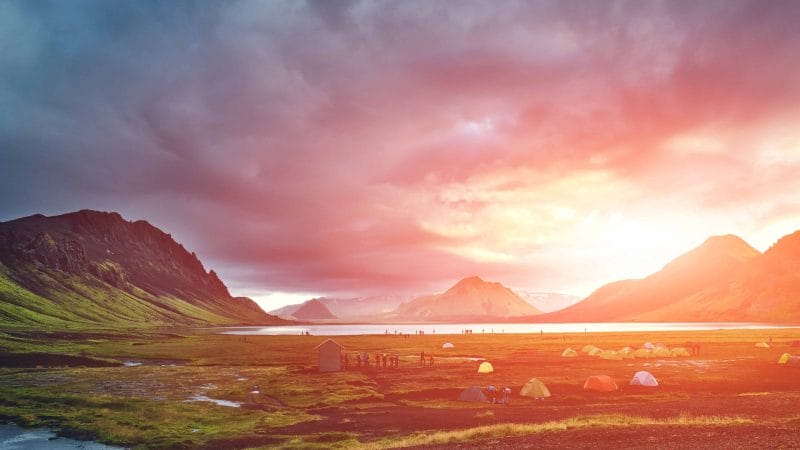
[
  {"x": 471, "y": 299},
  {"x": 96, "y": 267},
  {"x": 313, "y": 310}
]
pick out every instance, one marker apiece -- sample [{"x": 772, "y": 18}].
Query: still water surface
[
  {"x": 13, "y": 437},
  {"x": 478, "y": 328}
]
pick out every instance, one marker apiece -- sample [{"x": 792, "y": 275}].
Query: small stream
[{"x": 13, "y": 437}]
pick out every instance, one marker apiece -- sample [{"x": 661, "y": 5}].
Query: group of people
[
  {"x": 363, "y": 360},
  {"x": 503, "y": 397}
]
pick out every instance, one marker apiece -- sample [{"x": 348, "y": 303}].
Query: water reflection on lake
[{"x": 496, "y": 328}]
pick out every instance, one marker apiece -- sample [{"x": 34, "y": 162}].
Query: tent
[
  {"x": 627, "y": 353},
  {"x": 793, "y": 361},
  {"x": 762, "y": 345},
  {"x": 661, "y": 352},
  {"x": 595, "y": 351},
  {"x": 601, "y": 383},
  {"x": 569, "y": 353},
  {"x": 588, "y": 348},
  {"x": 472, "y": 394},
  {"x": 784, "y": 358},
  {"x": 644, "y": 378},
  {"x": 642, "y": 353},
  {"x": 534, "y": 388},
  {"x": 610, "y": 354},
  {"x": 679, "y": 351},
  {"x": 485, "y": 367},
  {"x": 648, "y": 345},
  {"x": 447, "y": 345}
]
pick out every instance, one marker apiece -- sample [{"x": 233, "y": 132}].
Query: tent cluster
[
  {"x": 535, "y": 388},
  {"x": 648, "y": 350},
  {"x": 789, "y": 360}
]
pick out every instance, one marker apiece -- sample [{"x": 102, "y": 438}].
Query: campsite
[{"x": 176, "y": 389}]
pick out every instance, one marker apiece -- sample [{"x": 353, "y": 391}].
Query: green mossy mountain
[{"x": 91, "y": 268}]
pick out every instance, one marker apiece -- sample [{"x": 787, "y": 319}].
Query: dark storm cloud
[{"x": 289, "y": 142}]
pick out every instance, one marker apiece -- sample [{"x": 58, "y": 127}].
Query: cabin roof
[{"x": 325, "y": 344}]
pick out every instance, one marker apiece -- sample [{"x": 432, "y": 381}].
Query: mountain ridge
[
  {"x": 723, "y": 279},
  {"x": 471, "y": 298},
  {"x": 95, "y": 267}
]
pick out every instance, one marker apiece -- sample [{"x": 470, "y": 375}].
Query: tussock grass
[{"x": 575, "y": 423}]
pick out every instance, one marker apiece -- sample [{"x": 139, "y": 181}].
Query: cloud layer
[{"x": 343, "y": 148}]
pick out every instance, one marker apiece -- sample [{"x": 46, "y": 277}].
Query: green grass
[
  {"x": 506, "y": 430},
  {"x": 138, "y": 422}
]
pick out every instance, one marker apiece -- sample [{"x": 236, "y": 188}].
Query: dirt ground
[
  {"x": 755, "y": 399},
  {"x": 729, "y": 378}
]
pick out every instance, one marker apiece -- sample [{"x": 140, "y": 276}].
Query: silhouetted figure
[
  {"x": 422, "y": 359},
  {"x": 492, "y": 393},
  {"x": 366, "y": 360},
  {"x": 506, "y": 395},
  {"x": 377, "y": 361},
  {"x": 358, "y": 360},
  {"x": 430, "y": 361},
  {"x": 384, "y": 360}
]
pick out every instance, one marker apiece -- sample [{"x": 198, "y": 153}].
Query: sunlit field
[{"x": 193, "y": 389}]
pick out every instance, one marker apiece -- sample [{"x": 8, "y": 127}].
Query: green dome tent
[
  {"x": 535, "y": 389},
  {"x": 472, "y": 394}
]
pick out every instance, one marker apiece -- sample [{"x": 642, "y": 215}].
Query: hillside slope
[
  {"x": 724, "y": 279},
  {"x": 91, "y": 267}
]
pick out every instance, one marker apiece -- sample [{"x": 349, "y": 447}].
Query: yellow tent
[
  {"x": 627, "y": 353},
  {"x": 595, "y": 351},
  {"x": 534, "y": 388},
  {"x": 642, "y": 353},
  {"x": 784, "y": 358},
  {"x": 610, "y": 354},
  {"x": 588, "y": 348},
  {"x": 762, "y": 345},
  {"x": 679, "y": 351},
  {"x": 569, "y": 353},
  {"x": 661, "y": 352},
  {"x": 485, "y": 367}
]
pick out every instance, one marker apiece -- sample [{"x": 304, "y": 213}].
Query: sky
[{"x": 359, "y": 148}]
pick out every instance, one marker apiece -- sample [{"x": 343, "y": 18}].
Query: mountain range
[
  {"x": 724, "y": 279},
  {"x": 96, "y": 268},
  {"x": 354, "y": 309},
  {"x": 92, "y": 268},
  {"x": 471, "y": 299}
]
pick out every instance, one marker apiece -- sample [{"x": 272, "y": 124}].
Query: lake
[{"x": 478, "y": 328}]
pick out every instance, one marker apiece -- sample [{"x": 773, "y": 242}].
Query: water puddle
[
  {"x": 13, "y": 437},
  {"x": 203, "y": 398}
]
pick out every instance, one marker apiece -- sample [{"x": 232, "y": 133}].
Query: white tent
[
  {"x": 447, "y": 345},
  {"x": 644, "y": 378},
  {"x": 648, "y": 345}
]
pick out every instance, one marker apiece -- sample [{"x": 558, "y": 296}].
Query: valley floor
[{"x": 194, "y": 388}]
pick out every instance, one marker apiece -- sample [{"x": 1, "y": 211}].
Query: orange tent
[{"x": 601, "y": 383}]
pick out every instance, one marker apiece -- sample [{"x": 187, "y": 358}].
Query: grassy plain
[{"x": 283, "y": 401}]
